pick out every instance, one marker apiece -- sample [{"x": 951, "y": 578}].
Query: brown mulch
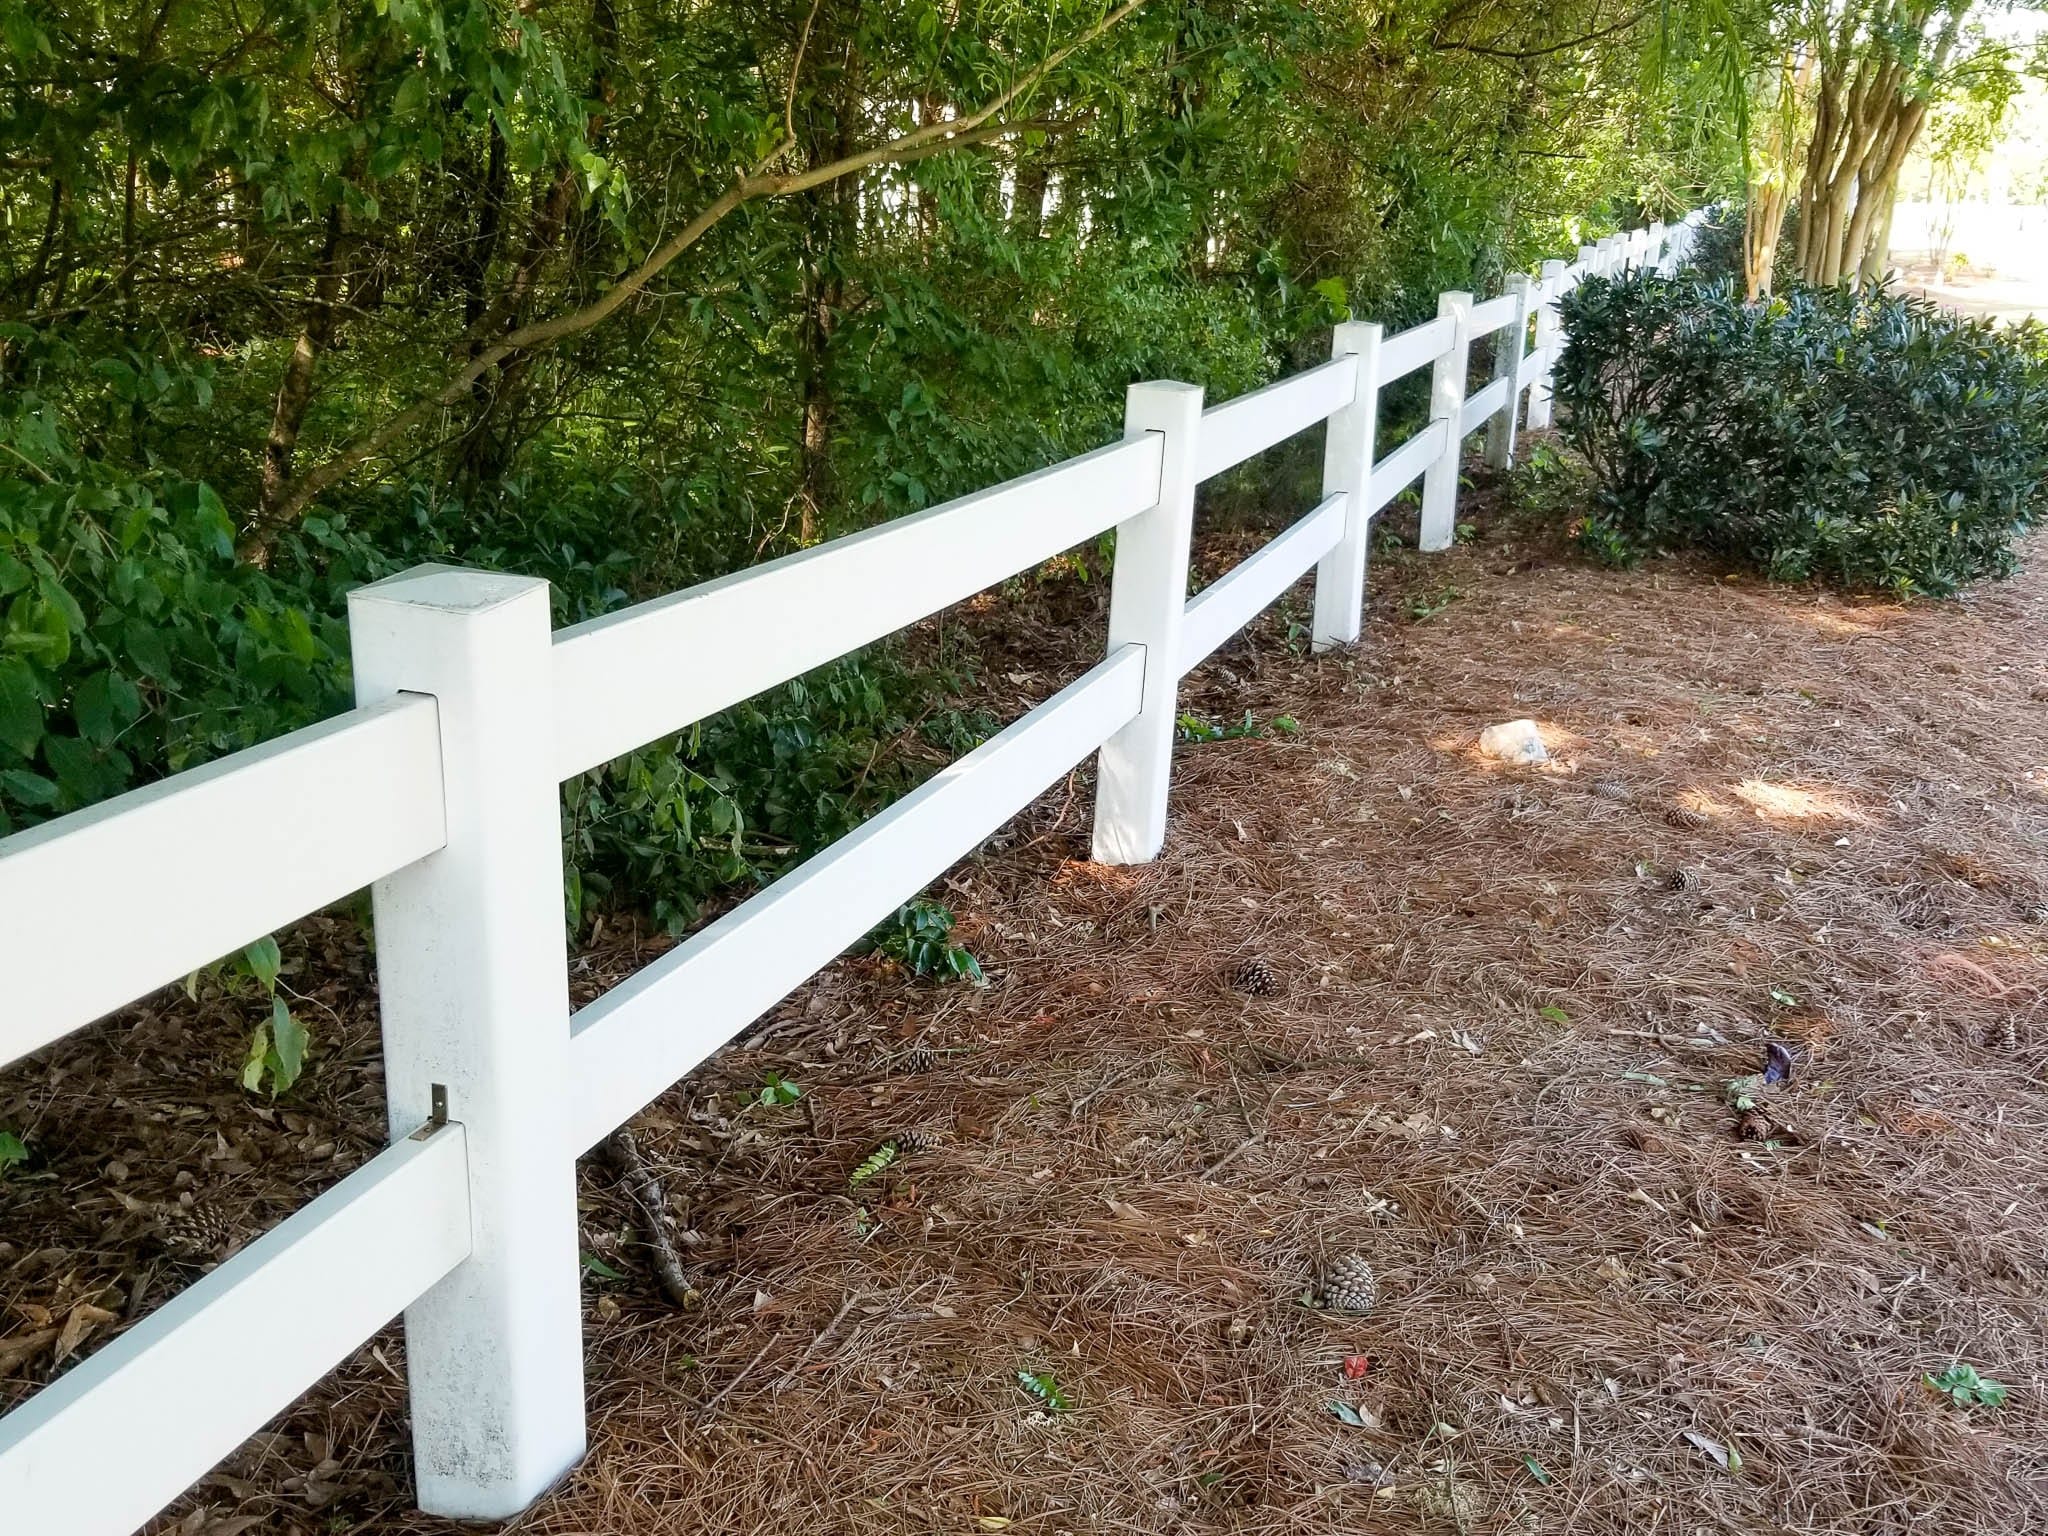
[{"x": 1498, "y": 1067}]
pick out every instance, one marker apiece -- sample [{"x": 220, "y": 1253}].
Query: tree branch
[{"x": 755, "y": 185}]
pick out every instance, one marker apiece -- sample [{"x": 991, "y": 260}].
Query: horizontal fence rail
[
  {"x": 1416, "y": 347},
  {"x": 1404, "y": 466},
  {"x": 1253, "y": 423},
  {"x": 1226, "y": 605},
  {"x": 108, "y": 1443},
  {"x": 632, "y": 677},
  {"x": 110, "y": 903},
  {"x": 442, "y": 792},
  {"x": 642, "y": 1036}
]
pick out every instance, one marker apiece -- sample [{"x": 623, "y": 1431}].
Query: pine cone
[
  {"x": 195, "y": 1232},
  {"x": 2005, "y": 1034},
  {"x": 917, "y": 1059},
  {"x": 1685, "y": 818},
  {"x": 1685, "y": 882},
  {"x": 1255, "y": 978},
  {"x": 1613, "y": 789},
  {"x": 921, "y": 1138},
  {"x": 1349, "y": 1285},
  {"x": 1753, "y": 1125}
]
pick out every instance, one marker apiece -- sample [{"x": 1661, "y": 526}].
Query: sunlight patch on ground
[
  {"x": 1794, "y": 802},
  {"x": 1845, "y": 623}
]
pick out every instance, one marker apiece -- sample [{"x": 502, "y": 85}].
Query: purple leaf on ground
[{"x": 1777, "y": 1063}]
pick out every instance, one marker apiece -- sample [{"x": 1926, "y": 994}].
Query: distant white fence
[{"x": 441, "y": 791}]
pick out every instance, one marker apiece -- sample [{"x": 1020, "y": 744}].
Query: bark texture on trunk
[
  {"x": 1869, "y": 108},
  {"x": 295, "y": 390}
]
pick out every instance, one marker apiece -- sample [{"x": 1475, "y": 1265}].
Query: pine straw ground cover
[{"x": 1497, "y": 1067}]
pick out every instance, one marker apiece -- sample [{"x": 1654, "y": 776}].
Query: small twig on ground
[
  {"x": 825, "y": 1335},
  {"x": 744, "y": 1372},
  {"x": 644, "y": 1189}
]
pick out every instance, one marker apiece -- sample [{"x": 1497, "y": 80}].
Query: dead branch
[{"x": 644, "y": 1190}]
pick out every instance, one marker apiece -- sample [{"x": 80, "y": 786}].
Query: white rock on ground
[{"x": 1514, "y": 741}]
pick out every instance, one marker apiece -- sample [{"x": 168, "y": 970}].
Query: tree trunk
[
  {"x": 828, "y": 239},
  {"x": 494, "y": 432},
  {"x": 295, "y": 390},
  {"x": 1869, "y": 110},
  {"x": 1776, "y": 178}
]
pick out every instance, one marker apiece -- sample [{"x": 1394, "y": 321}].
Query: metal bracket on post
[
  {"x": 1148, "y": 595},
  {"x": 1347, "y": 467},
  {"x": 1509, "y": 348},
  {"x": 1447, "y": 405},
  {"x": 472, "y": 968}
]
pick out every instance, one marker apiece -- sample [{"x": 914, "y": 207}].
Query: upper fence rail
[{"x": 442, "y": 792}]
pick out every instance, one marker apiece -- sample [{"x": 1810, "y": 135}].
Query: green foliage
[
  {"x": 1425, "y": 606},
  {"x": 277, "y": 1047},
  {"x": 1044, "y": 1390},
  {"x": 740, "y": 796},
  {"x": 1961, "y": 1385},
  {"x": 1193, "y": 728},
  {"x": 920, "y": 938},
  {"x": 778, "y": 1091},
  {"x": 13, "y": 1152},
  {"x": 131, "y": 641},
  {"x": 1863, "y": 438},
  {"x": 1213, "y": 186},
  {"x": 873, "y": 1166}
]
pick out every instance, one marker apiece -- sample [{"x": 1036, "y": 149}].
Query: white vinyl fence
[{"x": 441, "y": 792}]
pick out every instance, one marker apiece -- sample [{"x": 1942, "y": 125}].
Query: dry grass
[{"x": 1497, "y": 1069}]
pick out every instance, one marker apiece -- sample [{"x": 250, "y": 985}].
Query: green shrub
[
  {"x": 1859, "y": 437},
  {"x": 132, "y": 642}
]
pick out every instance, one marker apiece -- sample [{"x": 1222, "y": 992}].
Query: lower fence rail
[
  {"x": 118, "y": 1437},
  {"x": 630, "y": 1045}
]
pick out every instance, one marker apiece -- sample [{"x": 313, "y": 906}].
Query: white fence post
[
  {"x": 1509, "y": 348},
  {"x": 1548, "y": 329},
  {"x": 1148, "y": 595},
  {"x": 1447, "y": 405},
  {"x": 1347, "y": 467},
  {"x": 473, "y": 971}
]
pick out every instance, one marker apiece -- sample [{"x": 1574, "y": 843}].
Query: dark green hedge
[{"x": 1865, "y": 438}]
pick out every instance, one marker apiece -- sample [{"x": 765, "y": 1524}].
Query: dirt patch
[{"x": 1504, "y": 1064}]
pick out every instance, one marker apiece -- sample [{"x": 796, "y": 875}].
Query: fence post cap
[
  {"x": 449, "y": 588},
  {"x": 1165, "y": 387}
]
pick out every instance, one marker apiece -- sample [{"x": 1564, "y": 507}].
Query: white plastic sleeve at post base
[
  {"x": 1447, "y": 404},
  {"x": 473, "y": 975},
  {"x": 1147, "y": 599},
  {"x": 1347, "y": 469}
]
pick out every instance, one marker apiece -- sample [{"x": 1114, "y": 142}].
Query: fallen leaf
[
  {"x": 1357, "y": 1418},
  {"x": 17, "y": 1351},
  {"x": 1777, "y": 1063},
  {"x": 83, "y": 1319},
  {"x": 1536, "y": 1469},
  {"x": 1726, "y": 1459},
  {"x": 1356, "y": 1367},
  {"x": 993, "y": 1522}
]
